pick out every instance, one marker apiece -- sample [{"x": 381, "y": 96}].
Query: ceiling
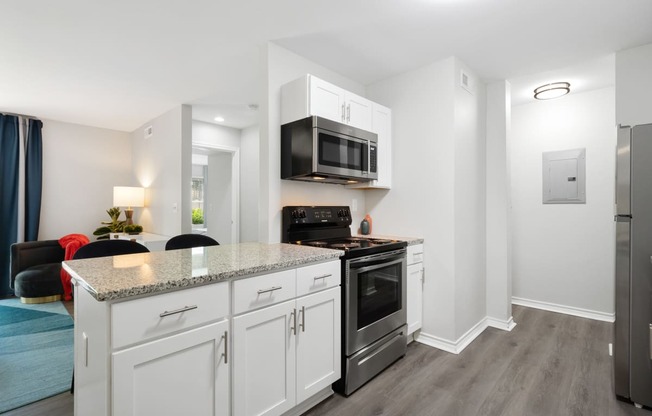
[{"x": 119, "y": 64}]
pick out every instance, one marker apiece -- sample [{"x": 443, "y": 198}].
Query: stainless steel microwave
[{"x": 319, "y": 150}]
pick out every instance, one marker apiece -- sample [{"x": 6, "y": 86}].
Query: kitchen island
[{"x": 226, "y": 330}]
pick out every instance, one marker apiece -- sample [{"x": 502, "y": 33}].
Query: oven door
[
  {"x": 375, "y": 296},
  {"x": 339, "y": 154}
]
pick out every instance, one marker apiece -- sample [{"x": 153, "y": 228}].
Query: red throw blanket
[{"x": 71, "y": 244}]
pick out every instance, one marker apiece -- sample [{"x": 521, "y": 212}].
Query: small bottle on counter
[{"x": 365, "y": 225}]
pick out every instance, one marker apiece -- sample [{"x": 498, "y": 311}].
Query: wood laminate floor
[{"x": 549, "y": 365}]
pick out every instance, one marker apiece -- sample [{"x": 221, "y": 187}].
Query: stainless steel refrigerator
[{"x": 633, "y": 330}]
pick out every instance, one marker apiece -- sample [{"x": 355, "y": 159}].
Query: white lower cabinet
[
  {"x": 415, "y": 280},
  {"x": 263, "y": 361},
  {"x": 195, "y": 352},
  {"x": 181, "y": 374},
  {"x": 318, "y": 342},
  {"x": 284, "y": 354}
]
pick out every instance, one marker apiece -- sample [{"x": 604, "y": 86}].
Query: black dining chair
[
  {"x": 189, "y": 241},
  {"x": 104, "y": 248}
]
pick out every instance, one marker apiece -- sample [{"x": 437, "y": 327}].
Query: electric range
[{"x": 374, "y": 273}]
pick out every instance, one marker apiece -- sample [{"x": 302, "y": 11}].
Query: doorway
[{"x": 215, "y": 192}]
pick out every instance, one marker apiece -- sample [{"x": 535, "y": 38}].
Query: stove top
[
  {"x": 330, "y": 227},
  {"x": 349, "y": 243}
]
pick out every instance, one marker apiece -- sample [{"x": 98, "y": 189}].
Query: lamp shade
[{"x": 128, "y": 196}]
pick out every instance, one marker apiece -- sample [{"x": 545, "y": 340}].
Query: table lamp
[{"x": 128, "y": 196}]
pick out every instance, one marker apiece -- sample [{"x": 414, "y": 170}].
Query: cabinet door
[
  {"x": 318, "y": 342},
  {"x": 381, "y": 124},
  {"x": 358, "y": 111},
  {"x": 184, "y": 374},
  {"x": 326, "y": 100},
  {"x": 264, "y": 361},
  {"x": 414, "y": 296}
]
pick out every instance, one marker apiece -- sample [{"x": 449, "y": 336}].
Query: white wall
[
  {"x": 283, "y": 66},
  {"x": 218, "y": 201},
  {"x": 470, "y": 204},
  {"x": 81, "y": 165},
  {"x": 163, "y": 165},
  {"x": 564, "y": 253},
  {"x": 498, "y": 202},
  {"x": 634, "y": 86},
  {"x": 249, "y": 183},
  {"x": 214, "y": 135},
  {"x": 438, "y": 189}
]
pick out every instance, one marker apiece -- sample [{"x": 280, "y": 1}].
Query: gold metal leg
[{"x": 42, "y": 299}]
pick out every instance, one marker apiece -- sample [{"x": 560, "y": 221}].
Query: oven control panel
[{"x": 336, "y": 215}]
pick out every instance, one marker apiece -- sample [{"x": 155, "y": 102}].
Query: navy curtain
[
  {"x": 10, "y": 142},
  {"x": 33, "y": 179},
  {"x": 9, "y": 154}
]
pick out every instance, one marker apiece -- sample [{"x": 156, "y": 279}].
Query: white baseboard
[
  {"x": 456, "y": 347},
  {"x": 505, "y": 325},
  {"x": 568, "y": 310}
]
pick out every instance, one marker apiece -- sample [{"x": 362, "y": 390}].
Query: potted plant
[{"x": 115, "y": 225}]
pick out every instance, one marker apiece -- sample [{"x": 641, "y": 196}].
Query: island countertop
[{"x": 111, "y": 278}]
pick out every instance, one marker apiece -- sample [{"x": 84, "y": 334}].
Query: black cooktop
[{"x": 330, "y": 227}]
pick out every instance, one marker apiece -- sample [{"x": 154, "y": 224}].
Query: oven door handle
[
  {"x": 396, "y": 254},
  {"x": 376, "y": 266}
]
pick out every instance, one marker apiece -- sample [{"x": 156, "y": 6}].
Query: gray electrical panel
[{"x": 564, "y": 177}]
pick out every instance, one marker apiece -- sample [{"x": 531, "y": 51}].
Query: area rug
[{"x": 36, "y": 352}]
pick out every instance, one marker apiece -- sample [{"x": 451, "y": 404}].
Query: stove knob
[
  {"x": 302, "y": 214},
  {"x": 295, "y": 214},
  {"x": 346, "y": 212},
  {"x": 340, "y": 213}
]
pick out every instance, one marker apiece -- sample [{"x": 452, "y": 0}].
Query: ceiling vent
[{"x": 149, "y": 132}]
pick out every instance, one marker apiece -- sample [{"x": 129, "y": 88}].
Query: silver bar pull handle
[
  {"x": 650, "y": 341},
  {"x": 271, "y": 289},
  {"x": 85, "y": 337},
  {"x": 348, "y": 113},
  {"x": 225, "y": 337},
  {"x": 343, "y": 113},
  {"x": 303, "y": 319},
  {"x": 176, "y": 311},
  {"x": 418, "y": 254},
  {"x": 322, "y": 277},
  {"x": 293, "y": 317}
]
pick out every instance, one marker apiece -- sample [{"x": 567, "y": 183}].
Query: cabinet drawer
[
  {"x": 415, "y": 254},
  {"x": 318, "y": 277},
  {"x": 259, "y": 291},
  {"x": 140, "y": 319}
]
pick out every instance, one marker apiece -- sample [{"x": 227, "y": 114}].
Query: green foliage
[
  {"x": 197, "y": 216},
  {"x": 113, "y": 226},
  {"x": 133, "y": 229}
]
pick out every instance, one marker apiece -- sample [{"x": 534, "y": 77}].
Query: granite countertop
[
  {"x": 411, "y": 241},
  {"x": 111, "y": 278}
]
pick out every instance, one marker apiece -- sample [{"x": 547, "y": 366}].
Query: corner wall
[
  {"x": 81, "y": 165},
  {"x": 249, "y": 183},
  {"x": 438, "y": 192},
  {"x": 163, "y": 165},
  {"x": 563, "y": 254}
]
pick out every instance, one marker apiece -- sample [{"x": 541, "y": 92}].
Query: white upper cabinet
[
  {"x": 381, "y": 124},
  {"x": 358, "y": 111},
  {"x": 311, "y": 96}
]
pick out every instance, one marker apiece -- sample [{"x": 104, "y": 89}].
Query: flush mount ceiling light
[
  {"x": 219, "y": 119},
  {"x": 552, "y": 90}
]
